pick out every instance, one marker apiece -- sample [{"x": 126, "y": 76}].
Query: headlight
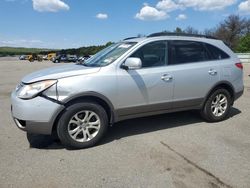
[{"x": 32, "y": 90}]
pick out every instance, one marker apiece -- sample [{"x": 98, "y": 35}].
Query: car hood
[{"x": 59, "y": 72}]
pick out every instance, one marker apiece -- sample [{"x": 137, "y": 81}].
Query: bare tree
[
  {"x": 231, "y": 29},
  {"x": 209, "y": 32},
  {"x": 139, "y": 35},
  {"x": 247, "y": 27},
  {"x": 191, "y": 30}
]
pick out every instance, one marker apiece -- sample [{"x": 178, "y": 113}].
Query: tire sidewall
[
  {"x": 208, "y": 111},
  {"x": 62, "y": 128}
]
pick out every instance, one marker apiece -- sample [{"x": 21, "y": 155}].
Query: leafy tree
[
  {"x": 188, "y": 30},
  {"x": 178, "y": 30},
  {"x": 244, "y": 44},
  {"x": 110, "y": 43}
]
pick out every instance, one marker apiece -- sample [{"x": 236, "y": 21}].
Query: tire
[
  {"x": 216, "y": 108},
  {"x": 39, "y": 141},
  {"x": 74, "y": 129}
]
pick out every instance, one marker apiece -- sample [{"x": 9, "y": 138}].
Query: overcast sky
[{"x": 75, "y": 23}]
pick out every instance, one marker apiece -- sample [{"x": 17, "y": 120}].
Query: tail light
[{"x": 239, "y": 65}]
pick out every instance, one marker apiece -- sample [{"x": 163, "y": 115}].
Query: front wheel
[
  {"x": 217, "y": 106},
  {"x": 82, "y": 125}
]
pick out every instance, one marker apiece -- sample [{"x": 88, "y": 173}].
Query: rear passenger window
[
  {"x": 187, "y": 52},
  {"x": 153, "y": 54},
  {"x": 216, "y": 53}
]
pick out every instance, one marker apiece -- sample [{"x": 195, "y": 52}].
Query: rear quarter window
[{"x": 216, "y": 53}]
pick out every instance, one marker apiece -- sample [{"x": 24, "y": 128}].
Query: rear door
[{"x": 194, "y": 73}]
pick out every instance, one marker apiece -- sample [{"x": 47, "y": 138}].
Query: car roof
[{"x": 170, "y": 38}]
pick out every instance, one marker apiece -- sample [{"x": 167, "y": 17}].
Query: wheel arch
[
  {"x": 89, "y": 97},
  {"x": 222, "y": 84}
]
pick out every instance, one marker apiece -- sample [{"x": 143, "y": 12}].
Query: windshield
[{"x": 109, "y": 54}]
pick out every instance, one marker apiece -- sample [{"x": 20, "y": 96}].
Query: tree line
[
  {"x": 234, "y": 31},
  {"x": 89, "y": 50}
]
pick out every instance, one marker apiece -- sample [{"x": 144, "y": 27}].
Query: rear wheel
[
  {"x": 82, "y": 125},
  {"x": 217, "y": 106}
]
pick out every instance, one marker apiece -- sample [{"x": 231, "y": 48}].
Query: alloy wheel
[
  {"x": 219, "y": 105},
  {"x": 84, "y": 126}
]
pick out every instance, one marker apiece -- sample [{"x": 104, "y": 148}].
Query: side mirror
[{"x": 132, "y": 63}]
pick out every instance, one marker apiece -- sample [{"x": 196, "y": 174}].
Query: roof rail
[
  {"x": 130, "y": 38},
  {"x": 179, "y": 34}
]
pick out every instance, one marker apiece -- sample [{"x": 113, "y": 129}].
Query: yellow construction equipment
[
  {"x": 35, "y": 57},
  {"x": 50, "y": 56}
]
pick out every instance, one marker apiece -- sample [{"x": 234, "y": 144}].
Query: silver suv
[{"x": 133, "y": 78}]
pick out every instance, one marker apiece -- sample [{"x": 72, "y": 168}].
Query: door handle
[
  {"x": 212, "y": 72},
  {"x": 166, "y": 77}
]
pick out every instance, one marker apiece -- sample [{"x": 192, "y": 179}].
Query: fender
[
  {"x": 113, "y": 117},
  {"x": 224, "y": 82}
]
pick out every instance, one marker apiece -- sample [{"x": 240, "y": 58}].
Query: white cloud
[
  {"x": 168, "y": 5},
  {"x": 102, "y": 16},
  {"x": 16, "y": 1},
  {"x": 163, "y": 7},
  {"x": 245, "y": 7},
  {"x": 49, "y": 5},
  {"x": 150, "y": 13},
  {"x": 181, "y": 17},
  {"x": 206, "y": 4}
]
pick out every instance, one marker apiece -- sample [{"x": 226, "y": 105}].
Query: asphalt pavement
[{"x": 171, "y": 150}]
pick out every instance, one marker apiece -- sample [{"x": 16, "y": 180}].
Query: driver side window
[{"x": 153, "y": 54}]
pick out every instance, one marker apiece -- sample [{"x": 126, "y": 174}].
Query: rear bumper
[
  {"x": 35, "y": 115},
  {"x": 238, "y": 94}
]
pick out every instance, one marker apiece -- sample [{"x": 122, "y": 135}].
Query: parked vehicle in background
[
  {"x": 65, "y": 58},
  {"x": 136, "y": 77},
  {"x": 60, "y": 58},
  {"x": 80, "y": 59},
  {"x": 45, "y": 57},
  {"x": 23, "y": 57},
  {"x": 72, "y": 58},
  {"x": 35, "y": 57},
  {"x": 83, "y": 58},
  {"x": 50, "y": 56}
]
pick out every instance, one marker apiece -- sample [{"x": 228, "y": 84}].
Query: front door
[{"x": 149, "y": 89}]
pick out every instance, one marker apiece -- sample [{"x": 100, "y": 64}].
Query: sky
[{"x": 75, "y": 23}]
